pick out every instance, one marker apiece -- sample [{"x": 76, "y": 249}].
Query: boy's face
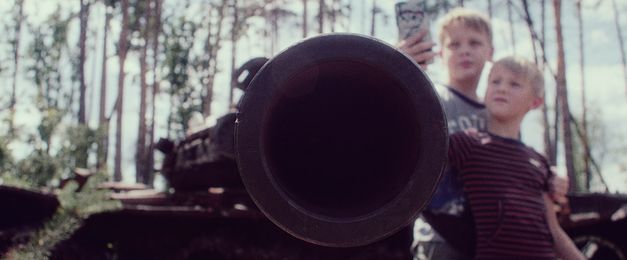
[
  {"x": 509, "y": 96},
  {"x": 465, "y": 51}
]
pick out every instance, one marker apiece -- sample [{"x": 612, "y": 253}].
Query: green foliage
[
  {"x": 6, "y": 159},
  {"x": 51, "y": 118},
  {"x": 58, "y": 228},
  {"x": 605, "y": 146},
  {"x": 89, "y": 200},
  {"x": 179, "y": 41},
  {"x": 11, "y": 22},
  {"x": 38, "y": 169},
  {"x": 137, "y": 15},
  {"x": 80, "y": 141},
  {"x": 7, "y": 167},
  {"x": 9, "y": 179},
  {"x": 189, "y": 104},
  {"x": 101, "y": 151},
  {"x": 75, "y": 207},
  {"x": 46, "y": 50}
]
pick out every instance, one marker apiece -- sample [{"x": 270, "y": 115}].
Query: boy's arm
[{"x": 564, "y": 246}]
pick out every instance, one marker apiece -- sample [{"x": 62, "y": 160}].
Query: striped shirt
[{"x": 503, "y": 181}]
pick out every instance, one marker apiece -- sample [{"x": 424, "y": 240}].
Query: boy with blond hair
[
  {"x": 505, "y": 182},
  {"x": 466, "y": 45}
]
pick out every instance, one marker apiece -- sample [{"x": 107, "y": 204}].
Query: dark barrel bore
[{"x": 338, "y": 141}]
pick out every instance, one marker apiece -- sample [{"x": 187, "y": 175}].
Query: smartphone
[{"x": 411, "y": 17}]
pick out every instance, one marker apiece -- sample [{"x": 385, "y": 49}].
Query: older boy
[
  {"x": 506, "y": 182},
  {"x": 466, "y": 39}
]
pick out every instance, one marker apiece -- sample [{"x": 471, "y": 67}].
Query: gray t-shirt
[{"x": 462, "y": 113}]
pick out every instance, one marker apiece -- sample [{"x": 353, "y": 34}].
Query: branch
[
  {"x": 115, "y": 108},
  {"x": 534, "y": 35},
  {"x": 586, "y": 146}
]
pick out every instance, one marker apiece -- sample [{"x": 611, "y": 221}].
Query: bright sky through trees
[{"x": 605, "y": 83}]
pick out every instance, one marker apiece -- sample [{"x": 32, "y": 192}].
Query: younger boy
[{"x": 506, "y": 182}]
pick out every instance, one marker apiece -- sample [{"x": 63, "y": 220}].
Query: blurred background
[{"x": 95, "y": 83}]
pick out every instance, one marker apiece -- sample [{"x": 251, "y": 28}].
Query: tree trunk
[
  {"x": 305, "y": 18},
  {"x": 373, "y": 18},
  {"x": 19, "y": 4},
  {"x": 140, "y": 156},
  {"x": 171, "y": 117},
  {"x": 584, "y": 120},
  {"x": 552, "y": 131},
  {"x": 349, "y": 15},
  {"x": 156, "y": 30},
  {"x": 556, "y": 116},
  {"x": 103, "y": 144},
  {"x": 550, "y": 140},
  {"x": 123, "y": 41},
  {"x": 82, "y": 40},
  {"x": 540, "y": 58},
  {"x": 333, "y": 14},
  {"x": 364, "y": 17},
  {"x": 591, "y": 160},
  {"x": 621, "y": 42},
  {"x": 562, "y": 94},
  {"x": 532, "y": 33},
  {"x": 510, "y": 18},
  {"x": 321, "y": 8},
  {"x": 274, "y": 24},
  {"x": 490, "y": 8},
  {"x": 234, "y": 38}
]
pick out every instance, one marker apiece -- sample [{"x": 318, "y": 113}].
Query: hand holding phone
[{"x": 413, "y": 30}]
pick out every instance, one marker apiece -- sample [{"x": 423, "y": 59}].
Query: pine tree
[
  {"x": 621, "y": 41},
  {"x": 82, "y": 41},
  {"x": 584, "y": 120},
  {"x": 235, "y": 28},
  {"x": 143, "y": 13},
  {"x": 321, "y": 11},
  {"x": 305, "y": 19},
  {"x": 122, "y": 51},
  {"x": 562, "y": 93},
  {"x": 103, "y": 119},
  {"x": 156, "y": 31},
  {"x": 15, "y": 44}
]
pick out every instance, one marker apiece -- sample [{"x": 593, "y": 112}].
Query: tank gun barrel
[{"x": 340, "y": 140}]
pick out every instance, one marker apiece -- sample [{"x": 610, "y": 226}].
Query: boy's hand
[
  {"x": 419, "y": 50},
  {"x": 559, "y": 188}
]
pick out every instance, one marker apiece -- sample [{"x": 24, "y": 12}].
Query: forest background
[{"x": 95, "y": 83}]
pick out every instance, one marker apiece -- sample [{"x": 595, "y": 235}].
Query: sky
[{"x": 605, "y": 86}]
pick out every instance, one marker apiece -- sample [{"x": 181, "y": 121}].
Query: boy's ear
[
  {"x": 491, "y": 54},
  {"x": 537, "y": 102}
]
